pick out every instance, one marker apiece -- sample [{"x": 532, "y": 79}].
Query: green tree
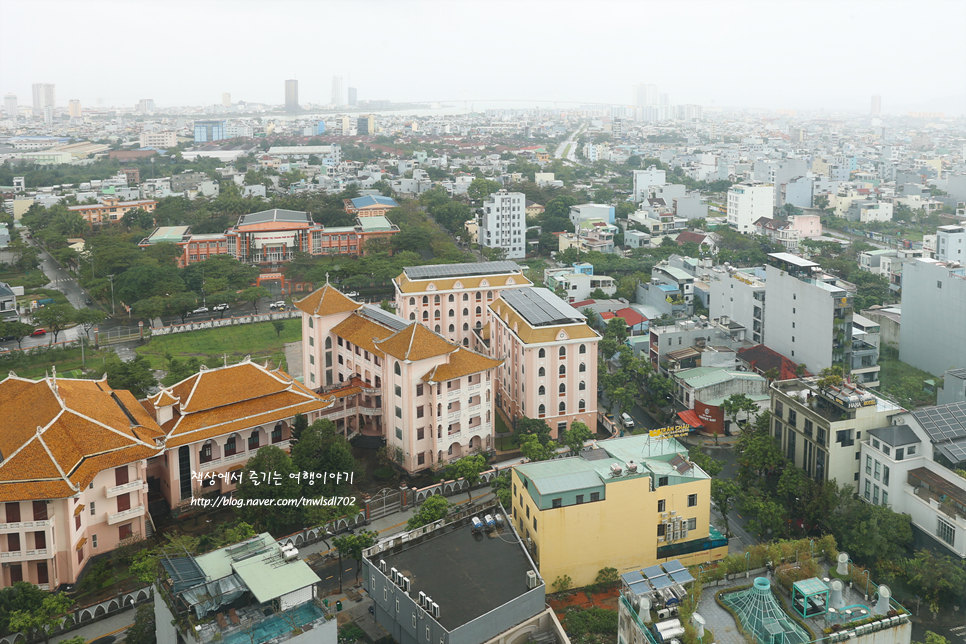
[
  {"x": 181, "y": 304},
  {"x": 43, "y": 619},
  {"x": 269, "y": 466},
  {"x": 352, "y": 546},
  {"x": 22, "y": 596},
  {"x": 736, "y": 404},
  {"x": 136, "y": 376},
  {"x": 938, "y": 578},
  {"x": 433, "y": 509},
  {"x": 253, "y": 294},
  {"x": 299, "y": 424},
  {"x": 88, "y": 319},
  {"x": 724, "y": 494},
  {"x": 469, "y": 468},
  {"x": 383, "y": 187},
  {"x": 143, "y": 630},
  {"x": 527, "y": 426},
  {"x": 149, "y": 308},
  {"x": 534, "y": 450},
  {"x": 766, "y": 516},
  {"x": 321, "y": 448},
  {"x": 480, "y": 189},
  {"x": 575, "y": 437},
  {"x": 55, "y": 318},
  {"x": 279, "y": 326},
  {"x": 502, "y": 486},
  {"x": 16, "y": 330}
]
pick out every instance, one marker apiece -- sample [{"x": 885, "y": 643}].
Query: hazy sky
[{"x": 772, "y": 53}]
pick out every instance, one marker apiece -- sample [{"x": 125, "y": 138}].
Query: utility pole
[{"x": 111, "y": 279}]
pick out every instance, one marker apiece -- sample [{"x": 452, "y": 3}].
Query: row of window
[{"x": 452, "y": 298}]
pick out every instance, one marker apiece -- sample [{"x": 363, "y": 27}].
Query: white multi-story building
[
  {"x": 645, "y": 179},
  {"x": 454, "y": 299},
  {"x": 239, "y": 130},
  {"x": 43, "y": 94},
  {"x": 550, "y": 365},
  {"x": 162, "y": 140},
  {"x": 749, "y": 202},
  {"x": 950, "y": 244},
  {"x": 933, "y": 309},
  {"x": 503, "y": 223}
]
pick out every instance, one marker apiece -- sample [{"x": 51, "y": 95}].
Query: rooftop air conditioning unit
[
  {"x": 422, "y": 599},
  {"x": 406, "y": 585},
  {"x": 435, "y": 610},
  {"x": 663, "y": 516},
  {"x": 393, "y": 575},
  {"x": 382, "y": 565},
  {"x": 529, "y": 543},
  {"x": 532, "y": 579}
]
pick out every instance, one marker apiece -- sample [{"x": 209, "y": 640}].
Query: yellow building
[{"x": 626, "y": 503}]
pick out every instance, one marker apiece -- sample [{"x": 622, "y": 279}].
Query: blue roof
[{"x": 363, "y": 202}]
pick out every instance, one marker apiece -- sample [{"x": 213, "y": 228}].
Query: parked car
[
  {"x": 199, "y": 310},
  {"x": 220, "y": 307},
  {"x": 88, "y": 301},
  {"x": 277, "y": 305},
  {"x": 39, "y": 331}
]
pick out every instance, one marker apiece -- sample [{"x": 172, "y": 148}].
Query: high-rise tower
[
  {"x": 43, "y": 96},
  {"x": 337, "y": 90},
  {"x": 291, "y": 95},
  {"x": 876, "y": 105}
]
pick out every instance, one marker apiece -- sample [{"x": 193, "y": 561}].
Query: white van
[{"x": 627, "y": 421}]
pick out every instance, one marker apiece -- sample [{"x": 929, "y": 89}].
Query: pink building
[
  {"x": 550, "y": 371},
  {"x": 807, "y": 225},
  {"x": 453, "y": 299},
  {"x": 72, "y": 476},
  {"x": 430, "y": 400}
]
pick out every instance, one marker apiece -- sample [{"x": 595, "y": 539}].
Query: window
[
  {"x": 868, "y": 490},
  {"x": 562, "y": 389},
  {"x": 94, "y": 540},
  {"x": 582, "y": 368},
  {"x": 541, "y": 391},
  {"x": 253, "y": 440},
  {"x": 900, "y": 453},
  {"x": 230, "y": 446},
  {"x": 562, "y": 408},
  {"x": 582, "y": 386},
  {"x": 885, "y": 497},
  {"x": 868, "y": 465},
  {"x": 398, "y": 412},
  {"x": 820, "y": 436},
  {"x": 875, "y": 495},
  {"x": 541, "y": 411},
  {"x": 419, "y": 390},
  {"x": 419, "y": 412},
  {"x": 528, "y": 511},
  {"x": 792, "y": 417},
  {"x": 542, "y": 372},
  {"x": 398, "y": 391},
  {"x": 583, "y": 349},
  {"x": 885, "y": 475},
  {"x": 661, "y": 505},
  {"x": 878, "y": 470},
  {"x": 466, "y": 311},
  {"x": 779, "y": 410},
  {"x": 542, "y": 353},
  {"x": 692, "y": 524},
  {"x": 911, "y": 450},
  {"x": 396, "y": 370},
  {"x": 399, "y": 433},
  {"x": 534, "y": 523},
  {"x": 562, "y": 352},
  {"x": 92, "y": 508},
  {"x": 595, "y": 496},
  {"x": 808, "y": 428},
  {"x": 661, "y": 481},
  {"x": 557, "y": 503},
  {"x": 580, "y": 499},
  {"x": 563, "y": 370},
  {"x": 692, "y": 500},
  {"x": 277, "y": 433}
]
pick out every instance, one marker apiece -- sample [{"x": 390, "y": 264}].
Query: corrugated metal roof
[{"x": 568, "y": 482}]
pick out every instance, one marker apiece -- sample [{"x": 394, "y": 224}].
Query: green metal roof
[
  {"x": 171, "y": 234},
  {"x": 379, "y": 223},
  {"x": 760, "y": 614}
]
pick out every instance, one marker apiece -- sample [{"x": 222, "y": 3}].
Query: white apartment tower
[
  {"x": 951, "y": 244},
  {"x": 10, "y": 107},
  {"x": 503, "y": 223},
  {"x": 43, "y": 97},
  {"x": 747, "y": 203}
]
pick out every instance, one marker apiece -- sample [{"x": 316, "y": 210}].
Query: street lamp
[{"x": 747, "y": 563}]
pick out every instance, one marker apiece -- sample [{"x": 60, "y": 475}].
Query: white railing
[
  {"x": 23, "y": 525},
  {"x": 237, "y": 456},
  {"x": 209, "y": 464},
  {"x": 124, "y": 515},
  {"x": 370, "y": 411},
  {"x": 453, "y": 393},
  {"x": 454, "y": 415},
  {"x": 130, "y": 486},
  {"x": 453, "y": 435},
  {"x": 475, "y": 409},
  {"x": 476, "y": 387}
]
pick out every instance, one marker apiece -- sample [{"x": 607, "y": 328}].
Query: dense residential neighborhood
[{"x": 347, "y": 370}]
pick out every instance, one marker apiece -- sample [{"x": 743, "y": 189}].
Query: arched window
[
  {"x": 436, "y": 299},
  {"x": 479, "y": 296},
  {"x": 581, "y": 406},
  {"x": 425, "y": 315},
  {"x": 562, "y": 388},
  {"x": 541, "y": 391},
  {"x": 582, "y": 386},
  {"x": 542, "y": 411},
  {"x": 253, "y": 440},
  {"x": 542, "y": 354},
  {"x": 562, "y": 408},
  {"x": 489, "y": 296},
  {"x": 437, "y": 329},
  {"x": 563, "y": 370},
  {"x": 542, "y": 372},
  {"x": 466, "y": 326},
  {"x": 396, "y": 370},
  {"x": 451, "y": 298},
  {"x": 230, "y": 446},
  {"x": 452, "y": 328},
  {"x": 438, "y": 314},
  {"x": 466, "y": 311},
  {"x": 479, "y": 325},
  {"x": 582, "y": 368},
  {"x": 412, "y": 316},
  {"x": 328, "y": 342},
  {"x": 479, "y": 311},
  {"x": 466, "y": 297},
  {"x": 583, "y": 349},
  {"x": 562, "y": 352},
  {"x": 466, "y": 342},
  {"x": 425, "y": 299},
  {"x": 452, "y": 313}
]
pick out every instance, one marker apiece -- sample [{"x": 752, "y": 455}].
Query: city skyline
[{"x": 710, "y": 70}]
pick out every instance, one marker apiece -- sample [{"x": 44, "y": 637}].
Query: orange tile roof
[
  {"x": 462, "y": 362},
  {"x": 362, "y": 332},
  {"x": 236, "y": 397},
  {"x": 212, "y": 388},
  {"x": 416, "y": 342},
  {"x": 327, "y": 300},
  {"x": 77, "y": 428},
  {"x": 467, "y": 282},
  {"x": 538, "y": 335}
]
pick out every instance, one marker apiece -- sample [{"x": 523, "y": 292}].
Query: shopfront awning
[{"x": 691, "y": 418}]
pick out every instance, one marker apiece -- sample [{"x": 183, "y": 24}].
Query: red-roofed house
[
  {"x": 761, "y": 359},
  {"x": 704, "y": 240}
]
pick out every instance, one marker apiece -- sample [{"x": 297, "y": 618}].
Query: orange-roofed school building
[
  {"x": 73, "y": 456},
  {"x": 396, "y": 382},
  {"x": 217, "y": 419}
]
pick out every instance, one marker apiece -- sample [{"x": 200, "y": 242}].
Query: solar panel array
[
  {"x": 540, "y": 307},
  {"x": 443, "y": 271},
  {"x": 657, "y": 577},
  {"x": 384, "y": 318},
  {"x": 946, "y": 426}
]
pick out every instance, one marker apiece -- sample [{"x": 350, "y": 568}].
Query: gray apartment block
[
  {"x": 740, "y": 295},
  {"x": 933, "y": 332},
  {"x": 477, "y": 583}
]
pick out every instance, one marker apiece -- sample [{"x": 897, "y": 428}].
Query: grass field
[
  {"x": 257, "y": 340},
  {"x": 33, "y": 279},
  {"x": 37, "y": 362}
]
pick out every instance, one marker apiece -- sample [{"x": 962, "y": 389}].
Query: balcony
[
  {"x": 125, "y": 515},
  {"x": 453, "y": 393},
  {"x": 25, "y": 555},
  {"x": 475, "y": 409},
  {"x": 454, "y": 415},
  {"x": 25, "y": 525},
  {"x": 475, "y": 387},
  {"x": 130, "y": 486}
]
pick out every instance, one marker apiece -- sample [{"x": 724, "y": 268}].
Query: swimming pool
[{"x": 276, "y": 626}]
